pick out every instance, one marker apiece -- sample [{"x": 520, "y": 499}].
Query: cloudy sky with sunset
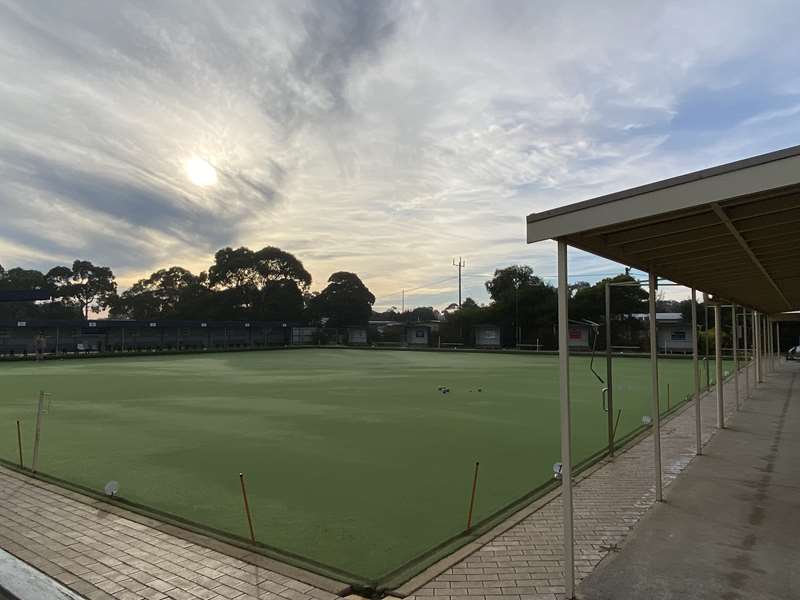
[{"x": 384, "y": 138}]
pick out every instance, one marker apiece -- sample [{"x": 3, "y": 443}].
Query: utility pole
[
  {"x": 460, "y": 264},
  {"x": 403, "y": 302}
]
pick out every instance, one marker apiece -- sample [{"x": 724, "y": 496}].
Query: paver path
[{"x": 103, "y": 555}]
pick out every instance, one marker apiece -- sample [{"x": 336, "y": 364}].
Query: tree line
[
  {"x": 242, "y": 284},
  {"x": 271, "y": 284}
]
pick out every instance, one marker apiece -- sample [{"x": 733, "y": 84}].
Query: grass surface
[{"x": 353, "y": 458}]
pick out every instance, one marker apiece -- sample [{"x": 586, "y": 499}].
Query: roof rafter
[{"x": 735, "y": 232}]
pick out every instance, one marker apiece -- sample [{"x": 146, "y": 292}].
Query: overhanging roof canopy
[{"x": 732, "y": 230}]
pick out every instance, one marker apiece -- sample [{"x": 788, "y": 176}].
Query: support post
[
  {"x": 778, "y": 335},
  {"x": 757, "y": 347},
  {"x": 655, "y": 409},
  {"x": 747, "y": 356},
  {"x": 767, "y": 349},
  {"x": 767, "y": 344},
  {"x": 718, "y": 365},
  {"x": 566, "y": 425},
  {"x": 58, "y": 341},
  {"x": 768, "y": 329},
  {"x": 696, "y": 369},
  {"x": 705, "y": 337},
  {"x": 735, "y": 357},
  {"x": 609, "y": 373}
]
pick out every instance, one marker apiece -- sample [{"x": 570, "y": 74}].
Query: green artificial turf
[{"x": 353, "y": 458}]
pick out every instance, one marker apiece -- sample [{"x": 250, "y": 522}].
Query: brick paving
[
  {"x": 105, "y": 555},
  {"x": 525, "y": 562}
]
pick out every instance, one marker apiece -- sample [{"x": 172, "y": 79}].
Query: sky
[{"x": 383, "y": 138}]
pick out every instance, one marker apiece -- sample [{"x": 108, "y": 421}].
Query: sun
[{"x": 200, "y": 172}]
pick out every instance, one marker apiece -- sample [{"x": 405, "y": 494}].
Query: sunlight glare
[{"x": 200, "y": 172}]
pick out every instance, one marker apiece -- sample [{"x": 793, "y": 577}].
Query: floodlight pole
[
  {"x": 566, "y": 426},
  {"x": 735, "y": 357},
  {"x": 747, "y": 356},
  {"x": 696, "y": 370},
  {"x": 609, "y": 373},
  {"x": 718, "y": 365},
  {"x": 655, "y": 408}
]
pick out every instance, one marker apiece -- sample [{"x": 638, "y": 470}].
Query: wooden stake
[
  {"x": 19, "y": 443},
  {"x": 38, "y": 435},
  {"x": 247, "y": 508},
  {"x": 472, "y": 497},
  {"x": 616, "y": 424}
]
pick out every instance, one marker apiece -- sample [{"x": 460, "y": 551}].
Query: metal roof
[{"x": 732, "y": 230}]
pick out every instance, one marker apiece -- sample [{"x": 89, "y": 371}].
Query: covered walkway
[
  {"x": 729, "y": 232},
  {"x": 730, "y": 524}
]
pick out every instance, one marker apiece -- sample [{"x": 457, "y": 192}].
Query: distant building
[
  {"x": 421, "y": 334},
  {"x": 580, "y": 336},
  {"x": 673, "y": 332},
  {"x": 356, "y": 336},
  {"x": 488, "y": 336}
]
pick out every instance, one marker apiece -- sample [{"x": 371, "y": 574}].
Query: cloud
[{"x": 379, "y": 137}]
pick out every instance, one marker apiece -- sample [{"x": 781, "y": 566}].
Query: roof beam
[{"x": 735, "y": 232}]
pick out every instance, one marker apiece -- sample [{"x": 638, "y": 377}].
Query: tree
[
  {"x": 249, "y": 273},
  {"x": 22, "y": 279},
  {"x": 421, "y": 313},
  {"x": 344, "y": 301},
  {"x": 523, "y": 301},
  {"x": 274, "y": 264},
  {"x": 90, "y": 286},
  {"x": 280, "y": 300},
  {"x": 588, "y": 301},
  {"x": 167, "y": 293}
]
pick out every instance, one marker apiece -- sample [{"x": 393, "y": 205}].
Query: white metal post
[
  {"x": 655, "y": 408},
  {"x": 747, "y": 356},
  {"x": 609, "y": 373},
  {"x": 757, "y": 346},
  {"x": 696, "y": 367},
  {"x": 772, "y": 353},
  {"x": 566, "y": 423},
  {"x": 768, "y": 329},
  {"x": 718, "y": 365},
  {"x": 767, "y": 344},
  {"x": 735, "y": 357}
]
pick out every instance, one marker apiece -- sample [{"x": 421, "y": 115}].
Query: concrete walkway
[{"x": 730, "y": 526}]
